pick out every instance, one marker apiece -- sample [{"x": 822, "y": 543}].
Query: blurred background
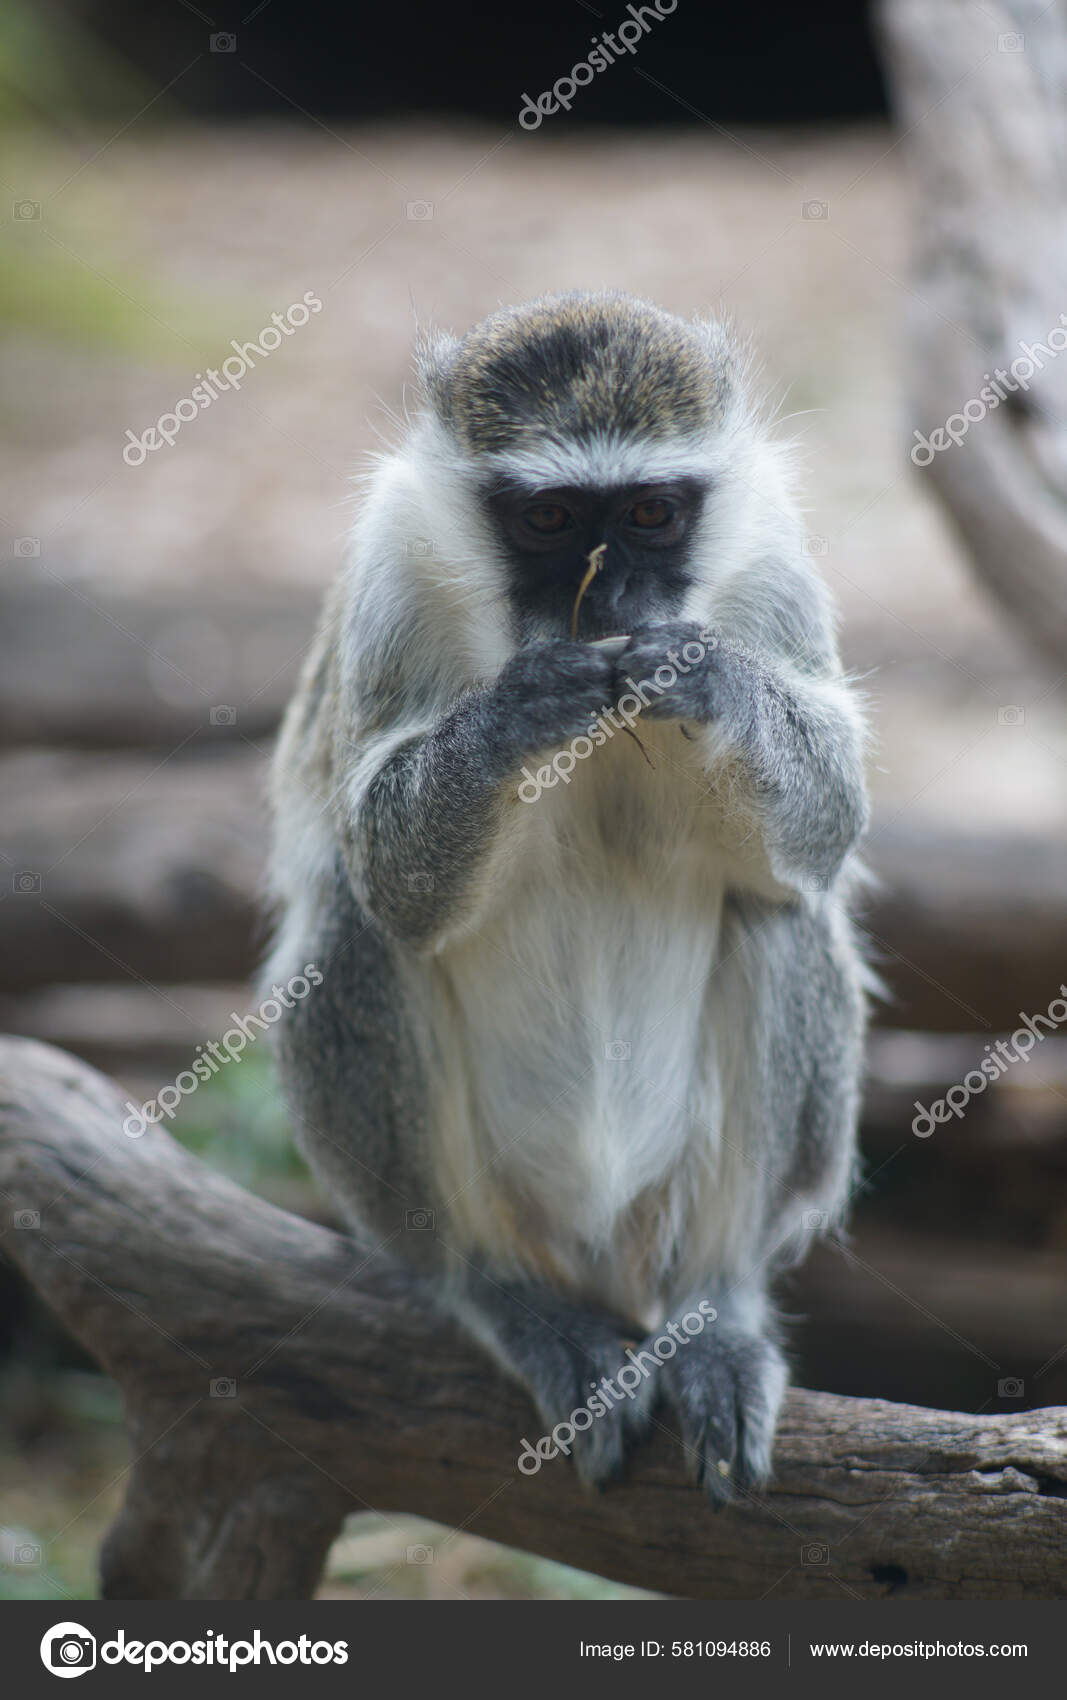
[{"x": 174, "y": 175}]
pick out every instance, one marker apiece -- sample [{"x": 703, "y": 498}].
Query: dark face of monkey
[{"x": 548, "y": 535}]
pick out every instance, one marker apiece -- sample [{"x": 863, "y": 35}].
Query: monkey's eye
[
  {"x": 650, "y": 515},
  {"x": 546, "y": 517}
]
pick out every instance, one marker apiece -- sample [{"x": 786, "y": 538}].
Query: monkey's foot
[
  {"x": 591, "y": 1402},
  {"x": 586, "y": 1408},
  {"x": 726, "y": 1388}
]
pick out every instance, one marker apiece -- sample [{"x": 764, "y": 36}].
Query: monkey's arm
[
  {"x": 422, "y": 826},
  {"x": 797, "y": 735}
]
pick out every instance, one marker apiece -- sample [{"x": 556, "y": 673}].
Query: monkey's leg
[
  {"x": 791, "y": 1121},
  {"x": 568, "y": 1356},
  {"x": 725, "y": 1387}
]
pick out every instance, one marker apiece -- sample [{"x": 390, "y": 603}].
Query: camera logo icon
[
  {"x": 617, "y": 1050},
  {"x": 816, "y": 1221},
  {"x": 1011, "y": 715},
  {"x": 27, "y": 1220},
  {"x": 814, "y": 1553},
  {"x": 68, "y": 1649},
  {"x": 1010, "y": 1387},
  {"x": 1011, "y": 42},
  {"x": 420, "y": 1554},
  {"x": 421, "y": 1221},
  {"x": 816, "y": 209},
  {"x": 421, "y": 548},
  {"x": 223, "y": 1387},
  {"x": 223, "y": 42},
  {"x": 28, "y": 1553},
  {"x": 27, "y": 548},
  {"x": 420, "y": 209},
  {"x": 815, "y": 545},
  {"x": 25, "y": 883},
  {"x": 26, "y": 209},
  {"x": 420, "y": 882},
  {"x": 223, "y": 715}
]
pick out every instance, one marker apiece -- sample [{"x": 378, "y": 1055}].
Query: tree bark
[
  {"x": 276, "y": 1376},
  {"x": 981, "y": 98}
]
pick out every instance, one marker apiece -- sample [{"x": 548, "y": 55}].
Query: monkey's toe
[
  {"x": 586, "y": 1411},
  {"x": 726, "y": 1393}
]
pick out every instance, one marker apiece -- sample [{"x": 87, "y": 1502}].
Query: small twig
[
  {"x": 596, "y": 561},
  {"x": 630, "y": 733}
]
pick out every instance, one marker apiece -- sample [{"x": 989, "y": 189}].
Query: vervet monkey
[{"x": 589, "y": 1035}]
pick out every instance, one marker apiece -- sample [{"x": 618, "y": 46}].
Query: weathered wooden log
[
  {"x": 130, "y": 668},
  {"x": 130, "y": 867},
  {"x": 85, "y": 666},
  {"x": 906, "y": 1315},
  {"x": 124, "y": 867},
  {"x": 981, "y": 96},
  {"x": 1023, "y": 1115},
  {"x": 968, "y": 930},
  {"x": 126, "y": 1028},
  {"x": 277, "y": 1376}
]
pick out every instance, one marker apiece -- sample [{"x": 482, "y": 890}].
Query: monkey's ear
[{"x": 435, "y": 353}]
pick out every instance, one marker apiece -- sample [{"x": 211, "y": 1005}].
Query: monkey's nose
[
  {"x": 612, "y": 588},
  {"x": 601, "y": 610},
  {"x": 607, "y": 595}
]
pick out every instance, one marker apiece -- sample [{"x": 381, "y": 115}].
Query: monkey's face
[{"x": 644, "y": 533}]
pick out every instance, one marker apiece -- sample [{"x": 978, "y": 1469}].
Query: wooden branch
[
  {"x": 276, "y": 1378},
  {"x": 981, "y": 96}
]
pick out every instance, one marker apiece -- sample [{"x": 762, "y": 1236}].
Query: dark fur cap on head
[{"x": 573, "y": 366}]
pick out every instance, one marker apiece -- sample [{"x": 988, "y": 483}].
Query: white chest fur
[{"x": 581, "y": 1034}]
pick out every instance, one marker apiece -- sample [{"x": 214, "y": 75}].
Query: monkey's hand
[
  {"x": 679, "y": 671},
  {"x": 430, "y": 816},
  {"x": 797, "y": 734},
  {"x": 546, "y": 694}
]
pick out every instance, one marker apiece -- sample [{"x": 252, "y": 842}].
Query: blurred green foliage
[
  {"x": 64, "y": 98},
  {"x": 238, "y": 1123},
  {"x": 54, "y": 71}
]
